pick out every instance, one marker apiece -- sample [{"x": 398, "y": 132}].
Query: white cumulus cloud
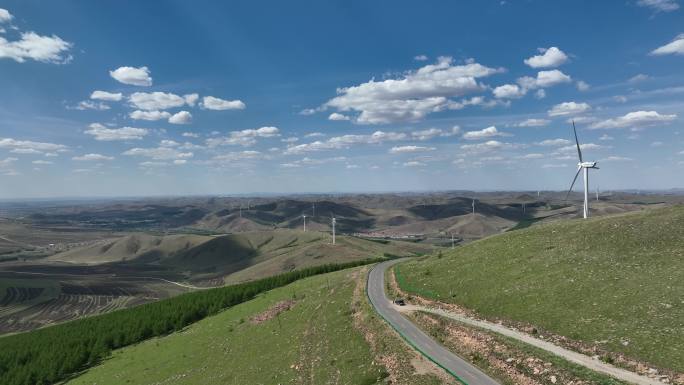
[
  {"x": 106, "y": 96},
  {"x": 5, "y": 16},
  {"x": 413, "y": 95},
  {"x": 92, "y": 157},
  {"x": 32, "y": 46},
  {"x": 139, "y": 76},
  {"x": 569, "y": 108},
  {"x": 483, "y": 133},
  {"x": 102, "y": 133},
  {"x": 675, "y": 47},
  {"x": 213, "y": 103},
  {"x": 409, "y": 149},
  {"x": 635, "y": 120},
  {"x": 488, "y": 146},
  {"x": 544, "y": 79},
  {"x": 508, "y": 91},
  {"x": 89, "y": 105},
  {"x": 181, "y": 117},
  {"x": 551, "y": 57},
  {"x": 158, "y": 153},
  {"x": 534, "y": 123},
  {"x": 337, "y": 116},
  {"x": 346, "y": 141},
  {"x": 156, "y": 100},
  {"x": 245, "y": 137},
  {"x": 554, "y": 142},
  {"x": 18, "y": 146},
  {"x": 149, "y": 115}
]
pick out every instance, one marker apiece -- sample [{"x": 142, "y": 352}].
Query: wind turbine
[
  {"x": 452, "y": 240},
  {"x": 333, "y": 229},
  {"x": 582, "y": 166},
  {"x": 304, "y": 218},
  {"x": 473, "y": 206},
  {"x": 597, "y": 193}
]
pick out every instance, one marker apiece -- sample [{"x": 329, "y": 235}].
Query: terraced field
[{"x": 32, "y": 303}]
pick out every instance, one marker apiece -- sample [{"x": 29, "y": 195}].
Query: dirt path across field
[{"x": 577, "y": 358}]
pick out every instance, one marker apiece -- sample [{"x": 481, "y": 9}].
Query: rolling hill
[
  {"x": 616, "y": 282},
  {"x": 239, "y": 257},
  {"x": 137, "y": 246}
]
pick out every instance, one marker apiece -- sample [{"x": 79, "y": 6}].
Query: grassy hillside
[
  {"x": 258, "y": 342},
  {"x": 51, "y": 354},
  {"x": 129, "y": 248},
  {"x": 285, "y": 250},
  {"x": 242, "y": 256},
  {"x": 615, "y": 281}
]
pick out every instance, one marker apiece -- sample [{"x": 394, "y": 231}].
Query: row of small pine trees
[{"x": 48, "y": 355}]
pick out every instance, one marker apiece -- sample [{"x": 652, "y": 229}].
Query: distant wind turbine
[
  {"x": 452, "y": 240},
  {"x": 473, "y": 206},
  {"x": 582, "y": 166},
  {"x": 333, "y": 229},
  {"x": 304, "y": 219}
]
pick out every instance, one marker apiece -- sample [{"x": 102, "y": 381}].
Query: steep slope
[
  {"x": 617, "y": 282},
  {"x": 314, "y": 331}
]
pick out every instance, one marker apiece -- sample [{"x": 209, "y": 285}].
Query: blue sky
[{"x": 114, "y": 98}]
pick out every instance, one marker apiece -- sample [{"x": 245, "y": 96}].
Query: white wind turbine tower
[
  {"x": 304, "y": 219},
  {"x": 333, "y": 229},
  {"x": 582, "y": 166},
  {"x": 473, "y": 206}
]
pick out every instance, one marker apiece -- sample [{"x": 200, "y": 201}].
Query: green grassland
[
  {"x": 312, "y": 343},
  {"x": 615, "y": 281}
]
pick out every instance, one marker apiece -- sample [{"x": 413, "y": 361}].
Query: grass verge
[{"x": 612, "y": 282}]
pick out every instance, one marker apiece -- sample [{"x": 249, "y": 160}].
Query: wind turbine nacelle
[{"x": 587, "y": 164}]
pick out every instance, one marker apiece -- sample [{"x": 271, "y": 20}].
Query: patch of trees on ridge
[{"x": 48, "y": 355}]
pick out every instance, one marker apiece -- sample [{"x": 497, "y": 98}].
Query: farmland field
[{"x": 42, "y": 297}]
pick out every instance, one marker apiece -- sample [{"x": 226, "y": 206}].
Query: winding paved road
[{"x": 452, "y": 363}]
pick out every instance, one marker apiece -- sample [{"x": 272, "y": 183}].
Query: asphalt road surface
[{"x": 452, "y": 363}]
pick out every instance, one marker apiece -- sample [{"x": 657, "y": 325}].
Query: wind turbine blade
[
  {"x": 573, "y": 182},
  {"x": 579, "y": 152}
]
